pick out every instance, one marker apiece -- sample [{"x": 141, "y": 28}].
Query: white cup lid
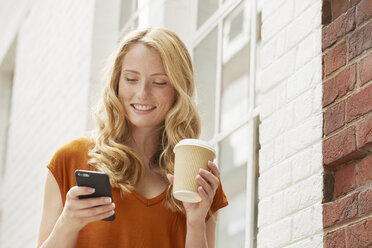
[{"x": 195, "y": 142}]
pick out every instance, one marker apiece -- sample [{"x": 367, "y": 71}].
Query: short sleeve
[
  {"x": 65, "y": 161},
  {"x": 220, "y": 199}
]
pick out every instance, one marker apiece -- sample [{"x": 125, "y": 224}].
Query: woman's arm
[
  {"x": 203, "y": 234},
  {"x": 200, "y": 233},
  {"x": 60, "y": 225},
  {"x": 50, "y": 233}
]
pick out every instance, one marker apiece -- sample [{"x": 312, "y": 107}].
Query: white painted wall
[
  {"x": 12, "y": 15},
  {"x": 290, "y": 183},
  {"x": 48, "y": 107}
]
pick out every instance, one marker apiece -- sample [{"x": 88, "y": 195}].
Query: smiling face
[{"x": 144, "y": 88}]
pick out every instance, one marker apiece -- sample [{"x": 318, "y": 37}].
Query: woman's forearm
[
  {"x": 196, "y": 235},
  {"x": 61, "y": 237}
]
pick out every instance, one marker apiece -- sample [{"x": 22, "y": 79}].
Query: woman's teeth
[{"x": 143, "y": 107}]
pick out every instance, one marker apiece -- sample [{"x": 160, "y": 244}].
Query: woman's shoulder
[{"x": 77, "y": 148}]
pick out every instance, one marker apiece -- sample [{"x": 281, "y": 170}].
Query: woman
[{"x": 147, "y": 108}]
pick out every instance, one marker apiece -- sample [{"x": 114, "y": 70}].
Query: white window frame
[{"x": 251, "y": 118}]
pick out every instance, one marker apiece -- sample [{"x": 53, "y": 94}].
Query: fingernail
[
  {"x": 113, "y": 205},
  {"x": 92, "y": 190},
  {"x": 108, "y": 200}
]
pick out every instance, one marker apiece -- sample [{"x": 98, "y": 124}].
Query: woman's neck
[{"x": 145, "y": 142}]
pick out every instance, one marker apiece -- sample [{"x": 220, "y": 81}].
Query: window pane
[
  {"x": 235, "y": 67},
  {"x": 233, "y": 167},
  {"x": 205, "y": 61},
  {"x": 205, "y": 9},
  {"x": 125, "y": 12},
  {"x": 234, "y": 151}
]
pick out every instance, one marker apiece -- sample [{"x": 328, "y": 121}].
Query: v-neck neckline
[{"x": 149, "y": 201}]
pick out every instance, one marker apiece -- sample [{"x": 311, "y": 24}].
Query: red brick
[
  {"x": 335, "y": 239},
  {"x": 363, "y": 11},
  {"x": 326, "y": 13},
  {"x": 328, "y": 186},
  {"x": 365, "y": 202},
  {"x": 339, "y": 7},
  {"x": 334, "y": 118},
  {"x": 339, "y": 86},
  {"x": 365, "y": 171},
  {"x": 360, "y": 41},
  {"x": 335, "y": 58},
  {"x": 340, "y": 210},
  {"x": 341, "y": 148},
  {"x": 359, "y": 104},
  {"x": 338, "y": 28},
  {"x": 345, "y": 180},
  {"x": 365, "y": 69},
  {"x": 359, "y": 235},
  {"x": 365, "y": 134}
]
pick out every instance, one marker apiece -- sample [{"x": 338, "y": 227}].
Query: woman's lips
[{"x": 142, "y": 108}]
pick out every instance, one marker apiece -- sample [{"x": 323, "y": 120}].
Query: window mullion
[
  {"x": 251, "y": 163},
  {"x": 253, "y": 47},
  {"x": 251, "y": 184},
  {"x": 218, "y": 80}
]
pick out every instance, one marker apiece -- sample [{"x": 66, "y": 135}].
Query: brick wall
[
  {"x": 347, "y": 133},
  {"x": 290, "y": 182}
]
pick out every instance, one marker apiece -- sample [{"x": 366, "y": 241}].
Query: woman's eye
[
  {"x": 130, "y": 79},
  {"x": 160, "y": 83}
]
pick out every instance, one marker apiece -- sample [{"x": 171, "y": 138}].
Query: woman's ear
[{"x": 170, "y": 178}]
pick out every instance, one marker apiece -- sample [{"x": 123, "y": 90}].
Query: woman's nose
[{"x": 144, "y": 91}]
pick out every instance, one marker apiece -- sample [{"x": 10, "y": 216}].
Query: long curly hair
[{"x": 111, "y": 152}]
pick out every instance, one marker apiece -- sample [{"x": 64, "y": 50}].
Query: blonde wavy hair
[{"x": 111, "y": 153}]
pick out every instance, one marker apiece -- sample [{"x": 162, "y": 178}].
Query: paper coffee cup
[{"x": 190, "y": 156}]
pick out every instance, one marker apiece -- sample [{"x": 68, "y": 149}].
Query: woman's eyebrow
[
  {"x": 154, "y": 74},
  {"x": 158, "y": 74},
  {"x": 133, "y": 71}
]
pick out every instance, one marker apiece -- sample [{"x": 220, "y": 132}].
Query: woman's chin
[{"x": 145, "y": 125}]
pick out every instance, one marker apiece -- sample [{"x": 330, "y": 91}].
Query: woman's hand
[
  {"x": 208, "y": 183},
  {"x": 77, "y": 213}
]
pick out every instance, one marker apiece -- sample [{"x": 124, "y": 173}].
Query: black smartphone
[{"x": 97, "y": 180}]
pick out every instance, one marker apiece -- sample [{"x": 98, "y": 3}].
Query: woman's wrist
[
  {"x": 196, "y": 234},
  {"x": 196, "y": 224},
  {"x": 62, "y": 235},
  {"x": 64, "y": 227}
]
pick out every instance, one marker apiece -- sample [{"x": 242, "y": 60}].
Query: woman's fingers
[
  {"x": 95, "y": 211},
  {"x": 75, "y": 191},
  {"x": 208, "y": 182},
  {"x": 92, "y": 202},
  {"x": 83, "y": 211},
  {"x": 209, "y": 177},
  {"x": 204, "y": 184},
  {"x": 214, "y": 169},
  {"x": 203, "y": 194},
  {"x": 100, "y": 216}
]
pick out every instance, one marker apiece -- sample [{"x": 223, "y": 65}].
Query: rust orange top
[{"x": 139, "y": 222}]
